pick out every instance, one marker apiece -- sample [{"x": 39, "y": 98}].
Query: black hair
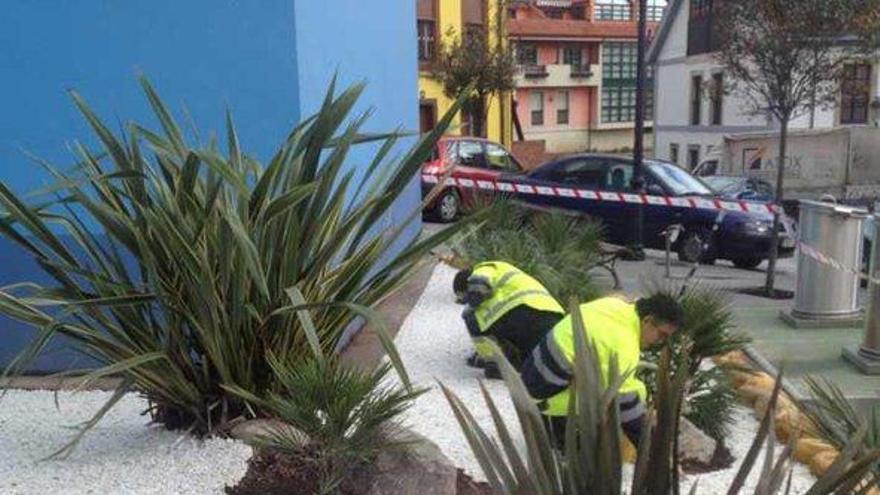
[
  {"x": 459, "y": 285},
  {"x": 662, "y": 307}
]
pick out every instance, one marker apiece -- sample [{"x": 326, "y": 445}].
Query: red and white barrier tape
[
  {"x": 568, "y": 192},
  {"x": 824, "y": 259}
]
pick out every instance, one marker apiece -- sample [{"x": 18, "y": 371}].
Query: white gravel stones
[
  {"x": 433, "y": 344},
  {"x": 121, "y": 455}
]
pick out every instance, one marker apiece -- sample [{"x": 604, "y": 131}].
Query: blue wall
[
  {"x": 372, "y": 41},
  {"x": 269, "y": 61}
]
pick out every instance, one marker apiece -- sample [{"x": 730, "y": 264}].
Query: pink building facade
[{"x": 576, "y": 83}]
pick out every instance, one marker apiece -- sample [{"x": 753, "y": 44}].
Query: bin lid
[{"x": 833, "y": 208}]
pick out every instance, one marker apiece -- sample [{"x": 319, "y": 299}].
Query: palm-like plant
[
  {"x": 558, "y": 249},
  {"x": 591, "y": 462},
  {"x": 334, "y": 419},
  {"x": 708, "y": 332},
  {"x": 204, "y": 263}
]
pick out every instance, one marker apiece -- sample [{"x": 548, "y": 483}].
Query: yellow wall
[{"x": 499, "y": 123}]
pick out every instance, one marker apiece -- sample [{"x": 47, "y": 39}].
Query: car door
[
  {"x": 620, "y": 216},
  {"x": 588, "y": 174}
]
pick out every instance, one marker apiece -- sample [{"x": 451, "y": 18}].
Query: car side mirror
[{"x": 656, "y": 190}]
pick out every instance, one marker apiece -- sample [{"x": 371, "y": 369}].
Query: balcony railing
[
  {"x": 534, "y": 70},
  {"x": 581, "y": 71}
]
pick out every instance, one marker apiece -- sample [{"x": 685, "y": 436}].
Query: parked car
[
  {"x": 741, "y": 237},
  {"x": 469, "y": 158},
  {"x": 746, "y": 188}
]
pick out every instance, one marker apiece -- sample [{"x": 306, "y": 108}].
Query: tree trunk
[
  {"x": 777, "y": 215},
  {"x": 478, "y": 118}
]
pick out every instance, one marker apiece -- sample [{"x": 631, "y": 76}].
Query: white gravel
[
  {"x": 433, "y": 344},
  {"x": 121, "y": 455}
]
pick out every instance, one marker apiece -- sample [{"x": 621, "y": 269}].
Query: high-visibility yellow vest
[
  {"x": 511, "y": 287},
  {"x": 613, "y": 327}
]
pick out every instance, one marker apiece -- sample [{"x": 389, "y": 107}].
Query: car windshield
[
  {"x": 723, "y": 184},
  {"x": 677, "y": 180}
]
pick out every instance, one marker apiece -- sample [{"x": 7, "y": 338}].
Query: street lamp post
[{"x": 638, "y": 140}]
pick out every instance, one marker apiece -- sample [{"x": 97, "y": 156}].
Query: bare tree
[
  {"x": 478, "y": 61},
  {"x": 786, "y": 57}
]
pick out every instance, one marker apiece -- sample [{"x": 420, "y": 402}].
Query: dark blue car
[
  {"x": 747, "y": 188},
  {"x": 709, "y": 234}
]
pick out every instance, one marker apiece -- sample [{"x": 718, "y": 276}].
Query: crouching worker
[
  {"x": 615, "y": 328},
  {"x": 507, "y": 306}
]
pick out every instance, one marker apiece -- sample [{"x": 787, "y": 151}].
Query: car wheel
[
  {"x": 697, "y": 245},
  {"x": 448, "y": 206},
  {"x": 747, "y": 263}
]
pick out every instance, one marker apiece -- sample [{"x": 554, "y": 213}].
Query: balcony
[
  {"x": 534, "y": 71},
  {"x": 581, "y": 71},
  {"x": 558, "y": 75}
]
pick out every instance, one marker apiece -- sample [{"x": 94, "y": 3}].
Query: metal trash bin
[{"x": 825, "y": 292}]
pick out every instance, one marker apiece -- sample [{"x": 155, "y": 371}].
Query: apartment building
[
  {"x": 435, "y": 19},
  {"x": 692, "y": 111},
  {"x": 576, "y": 88}
]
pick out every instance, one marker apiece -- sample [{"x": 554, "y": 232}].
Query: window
[
  {"x": 471, "y": 154},
  {"x": 562, "y": 107},
  {"x": 583, "y": 172},
  {"x": 498, "y": 158},
  {"x": 673, "y": 153},
  {"x": 619, "y": 82},
  {"x": 537, "y": 108},
  {"x": 572, "y": 55},
  {"x": 701, "y": 36},
  {"x": 717, "y": 98},
  {"x": 613, "y": 10},
  {"x": 526, "y": 53},
  {"x": 693, "y": 156},
  {"x": 675, "y": 179},
  {"x": 855, "y": 94},
  {"x": 620, "y": 177},
  {"x": 427, "y": 42},
  {"x": 655, "y": 10},
  {"x": 696, "y": 99}
]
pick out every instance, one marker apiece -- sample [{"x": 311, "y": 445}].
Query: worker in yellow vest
[
  {"x": 507, "y": 306},
  {"x": 614, "y": 327}
]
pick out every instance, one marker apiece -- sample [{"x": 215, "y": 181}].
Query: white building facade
[{"x": 691, "y": 115}]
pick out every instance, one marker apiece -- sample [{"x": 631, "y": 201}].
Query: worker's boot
[
  {"x": 475, "y": 361},
  {"x": 492, "y": 371}
]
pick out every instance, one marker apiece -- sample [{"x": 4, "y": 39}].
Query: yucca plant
[
  {"x": 591, "y": 462},
  {"x": 836, "y": 419},
  {"x": 203, "y": 262},
  {"x": 334, "y": 419},
  {"x": 558, "y": 249}
]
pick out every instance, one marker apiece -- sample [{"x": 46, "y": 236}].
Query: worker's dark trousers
[{"x": 520, "y": 330}]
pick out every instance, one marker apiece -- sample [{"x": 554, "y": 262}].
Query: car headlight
[{"x": 759, "y": 227}]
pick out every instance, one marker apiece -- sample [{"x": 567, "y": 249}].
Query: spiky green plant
[
  {"x": 836, "y": 419},
  {"x": 591, "y": 462},
  {"x": 335, "y": 418},
  {"x": 204, "y": 262},
  {"x": 708, "y": 331},
  {"x": 558, "y": 249}
]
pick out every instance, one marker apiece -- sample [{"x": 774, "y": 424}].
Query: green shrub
[
  {"x": 228, "y": 255},
  {"x": 335, "y": 419},
  {"x": 558, "y": 249}
]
